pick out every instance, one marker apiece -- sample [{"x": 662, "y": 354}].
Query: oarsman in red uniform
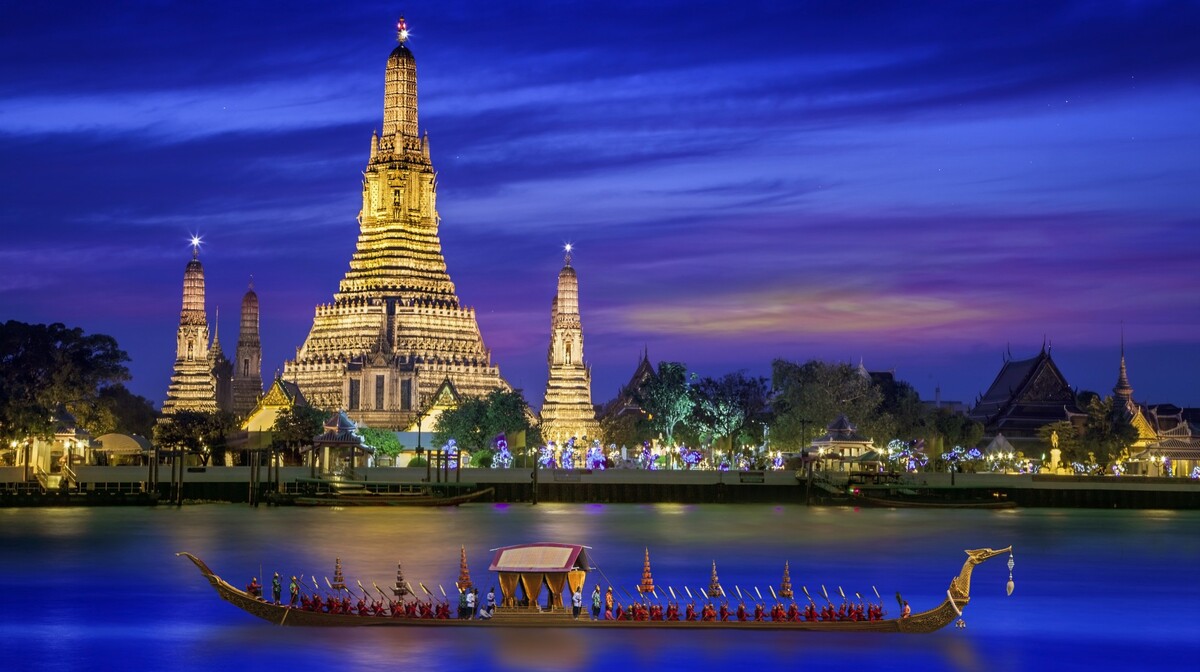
[
  {"x": 724, "y": 611},
  {"x": 254, "y": 588},
  {"x": 758, "y": 613},
  {"x": 619, "y": 612},
  {"x": 793, "y": 614},
  {"x": 690, "y": 614},
  {"x": 841, "y": 613},
  {"x": 361, "y": 607},
  {"x": 741, "y": 611}
]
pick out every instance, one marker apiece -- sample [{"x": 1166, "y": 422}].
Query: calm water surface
[{"x": 100, "y": 589}]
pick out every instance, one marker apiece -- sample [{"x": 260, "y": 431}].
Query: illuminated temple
[
  {"x": 567, "y": 409},
  {"x": 200, "y": 380},
  {"x": 395, "y": 332}
]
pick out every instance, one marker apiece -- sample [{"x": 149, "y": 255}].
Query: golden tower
[
  {"x": 192, "y": 387},
  {"x": 567, "y": 409},
  {"x": 395, "y": 330}
]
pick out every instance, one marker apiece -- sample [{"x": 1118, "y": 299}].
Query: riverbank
[{"x": 102, "y": 486}]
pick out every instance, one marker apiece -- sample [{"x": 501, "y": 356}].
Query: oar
[
  {"x": 842, "y": 593},
  {"x": 739, "y": 590},
  {"x": 672, "y": 593},
  {"x": 689, "y": 593},
  {"x": 385, "y": 595},
  {"x": 826, "y": 594},
  {"x": 810, "y": 600},
  {"x": 756, "y": 590},
  {"x": 422, "y": 585},
  {"x": 773, "y": 595},
  {"x": 444, "y": 590}
]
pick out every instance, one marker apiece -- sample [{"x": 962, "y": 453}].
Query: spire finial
[
  {"x": 567, "y": 248},
  {"x": 251, "y": 281},
  {"x": 401, "y": 31},
  {"x": 195, "y": 243}
]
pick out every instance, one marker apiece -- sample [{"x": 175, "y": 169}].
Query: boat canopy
[{"x": 524, "y": 569}]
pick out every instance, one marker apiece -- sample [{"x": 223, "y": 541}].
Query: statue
[{"x": 1054, "y": 439}]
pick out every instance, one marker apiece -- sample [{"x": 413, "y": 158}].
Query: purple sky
[{"x": 915, "y": 184}]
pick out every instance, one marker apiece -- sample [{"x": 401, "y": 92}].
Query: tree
[
  {"x": 477, "y": 420},
  {"x": 1107, "y": 430},
  {"x": 902, "y": 408},
  {"x": 183, "y": 430},
  {"x": 1068, "y": 440},
  {"x": 296, "y": 427},
  {"x": 667, "y": 398},
  {"x": 809, "y": 396},
  {"x": 626, "y": 429},
  {"x": 116, "y": 409},
  {"x": 733, "y": 406},
  {"x": 944, "y": 429},
  {"x": 384, "y": 441},
  {"x": 43, "y": 366},
  {"x": 203, "y": 433}
]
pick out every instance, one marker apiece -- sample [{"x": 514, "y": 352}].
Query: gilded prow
[
  {"x": 208, "y": 573},
  {"x": 957, "y": 596},
  {"x": 960, "y": 587}
]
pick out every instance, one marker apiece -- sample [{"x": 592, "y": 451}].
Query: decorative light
[{"x": 402, "y": 33}]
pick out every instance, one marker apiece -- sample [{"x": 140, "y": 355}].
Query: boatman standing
[
  {"x": 294, "y": 588},
  {"x": 276, "y": 587},
  {"x": 577, "y": 602},
  {"x": 596, "y": 603}
]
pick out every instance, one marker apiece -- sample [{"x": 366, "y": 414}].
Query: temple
[
  {"x": 395, "y": 330},
  {"x": 1026, "y": 395},
  {"x": 200, "y": 379},
  {"x": 247, "y": 368},
  {"x": 567, "y": 409}
]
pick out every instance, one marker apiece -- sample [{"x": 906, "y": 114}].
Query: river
[{"x": 101, "y": 588}]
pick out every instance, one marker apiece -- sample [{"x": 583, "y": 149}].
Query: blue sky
[{"x": 920, "y": 185}]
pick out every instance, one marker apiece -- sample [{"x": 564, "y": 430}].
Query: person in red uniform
[
  {"x": 741, "y": 611},
  {"x": 758, "y": 613},
  {"x": 690, "y": 615}
]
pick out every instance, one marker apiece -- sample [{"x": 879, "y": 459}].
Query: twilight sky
[{"x": 921, "y": 185}]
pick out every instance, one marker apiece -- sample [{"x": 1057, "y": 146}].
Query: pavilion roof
[{"x": 539, "y": 557}]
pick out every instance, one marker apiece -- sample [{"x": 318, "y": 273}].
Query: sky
[{"x": 924, "y": 187}]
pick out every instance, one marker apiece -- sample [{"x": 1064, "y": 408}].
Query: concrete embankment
[{"x": 131, "y": 485}]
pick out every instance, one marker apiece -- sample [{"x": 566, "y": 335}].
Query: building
[
  {"x": 200, "y": 379},
  {"x": 395, "y": 330},
  {"x": 567, "y": 409},
  {"x": 247, "y": 364},
  {"x": 1026, "y": 395}
]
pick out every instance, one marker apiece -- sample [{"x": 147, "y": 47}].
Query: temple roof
[
  {"x": 539, "y": 557},
  {"x": 1027, "y": 394}
]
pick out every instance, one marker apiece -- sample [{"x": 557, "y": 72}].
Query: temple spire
[{"x": 1123, "y": 390}]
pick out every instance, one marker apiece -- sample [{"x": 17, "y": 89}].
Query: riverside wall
[{"x": 131, "y": 485}]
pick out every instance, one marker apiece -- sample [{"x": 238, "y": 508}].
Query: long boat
[
  {"x": 904, "y": 503},
  {"x": 509, "y": 615},
  {"x": 388, "y": 499}
]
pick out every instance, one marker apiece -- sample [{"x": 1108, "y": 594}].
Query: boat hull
[
  {"x": 283, "y": 614},
  {"x": 388, "y": 500}
]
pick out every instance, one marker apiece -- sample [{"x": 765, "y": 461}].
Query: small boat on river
[
  {"x": 366, "y": 498},
  {"x": 524, "y": 570}
]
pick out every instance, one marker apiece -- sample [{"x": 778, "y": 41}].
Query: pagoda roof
[
  {"x": 540, "y": 557},
  {"x": 1029, "y": 392}
]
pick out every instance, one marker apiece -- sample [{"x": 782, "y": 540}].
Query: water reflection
[{"x": 117, "y": 592}]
